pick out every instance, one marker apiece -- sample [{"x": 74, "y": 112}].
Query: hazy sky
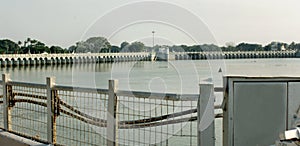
[{"x": 64, "y": 22}]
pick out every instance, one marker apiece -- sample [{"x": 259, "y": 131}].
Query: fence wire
[
  {"x": 81, "y": 118},
  {"x": 156, "y": 121},
  {"x": 29, "y": 114}
]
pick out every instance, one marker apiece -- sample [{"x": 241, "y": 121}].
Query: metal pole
[
  {"x": 153, "y": 40},
  {"x": 112, "y": 119},
  {"x": 6, "y": 101},
  {"x": 51, "y": 119},
  {"x": 205, "y": 116}
]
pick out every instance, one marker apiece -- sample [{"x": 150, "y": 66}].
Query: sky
[{"x": 65, "y": 22}]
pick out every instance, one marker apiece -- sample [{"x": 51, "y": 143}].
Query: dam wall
[
  {"x": 7, "y": 60},
  {"x": 233, "y": 55}
]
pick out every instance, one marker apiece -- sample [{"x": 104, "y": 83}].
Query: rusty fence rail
[{"x": 65, "y": 115}]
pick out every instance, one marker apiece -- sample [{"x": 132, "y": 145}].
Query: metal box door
[
  {"x": 293, "y": 104},
  {"x": 259, "y": 112}
]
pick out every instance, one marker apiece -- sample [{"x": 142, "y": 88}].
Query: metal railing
[{"x": 64, "y": 115}]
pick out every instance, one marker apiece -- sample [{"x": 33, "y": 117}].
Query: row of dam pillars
[
  {"x": 7, "y": 62},
  {"x": 72, "y": 60},
  {"x": 204, "y": 56}
]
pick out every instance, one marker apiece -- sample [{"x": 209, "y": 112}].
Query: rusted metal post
[
  {"x": 51, "y": 116},
  {"x": 205, "y": 115},
  {"x": 7, "y": 96},
  {"x": 112, "y": 119}
]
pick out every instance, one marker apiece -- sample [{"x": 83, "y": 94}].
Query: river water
[
  {"x": 176, "y": 76},
  {"x": 181, "y": 76}
]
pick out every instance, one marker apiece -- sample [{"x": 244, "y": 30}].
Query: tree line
[
  {"x": 102, "y": 45},
  {"x": 29, "y": 45}
]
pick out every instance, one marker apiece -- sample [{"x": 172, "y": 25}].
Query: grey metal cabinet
[{"x": 258, "y": 109}]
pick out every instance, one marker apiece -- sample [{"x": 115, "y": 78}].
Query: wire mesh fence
[
  {"x": 29, "y": 111},
  {"x": 82, "y": 116},
  {"x": 79, "y": 116},
  {"x": 156, "y": 121}
]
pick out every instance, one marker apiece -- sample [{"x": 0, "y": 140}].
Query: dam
[
  {"x": 232, "y": 55},
  {"x": 71, "y": 58},
  {"x": 7, "y": 60}
]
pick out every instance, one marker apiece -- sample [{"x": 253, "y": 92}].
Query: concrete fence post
[
  {"x": 112, "y": 119},
  {"x": 205, "y": 116},
  {"x": 7, "y": 96},
  {"x": 51, "y": 111}
]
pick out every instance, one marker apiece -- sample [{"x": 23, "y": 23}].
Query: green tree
[
  {"x": 124, "y": 45},
  {"x": 93, "y": 45},
  {"x": 275, "y": 46},
  {"x": 19, "y": 43},
  {"x": 249, "y": 47},
  {"x": 175, "y": 48},
  {"x": 57, "y": 49},
  {"x": 115, "y": 49},
  {"x": 72, "y": 49},
  {"x": 209, "y": 47},
  {"x": 294, "y": 46},
  {"x": 96, "y": 44},
  {"x": 8, "y": 46},
  {"x": 136, "y": 47},
  {"x": 185, "y": 48},
  {"x": 34, "y": 46},
  {"x": 81, "y": 47},
  {"x": 26, "y": 42}
]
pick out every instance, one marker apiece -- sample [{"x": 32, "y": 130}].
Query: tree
[
  {"x": 34, "y": 46},
  {"x": 230, "y": 44},
  {"x": 209, "y": 47},
  {"x": 195, "y": 48},
  {"x": 184, "y": 48},
  {"x": 294, "y": 46},
  {"x": 26, "y": 42},
  {"x": 249, "y": 47},
  {"x": 57, "y": 49},
  {"x": 93, "y": 45},
  {"x": 124, "y": 45},
  {"x": 115, "y": 49},
  {"x": 72, "y": 49},
  {"x": 133, "y": 47},
  {"x": 19, "y": 43},
  {"x": 8, "y": 46},
  {"x": 136, "y": 47},
  {"x": 81, "y": 47},
  {"x": 175, "y": 48},
  {"x": 229, "y": 48},
  {"x": 96, "y": 44},
  {"x": 275, "y": 46}
]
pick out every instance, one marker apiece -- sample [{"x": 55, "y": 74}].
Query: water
[
  {"x": 179, "y": 77},
  {"x": 175, "y": 76}
]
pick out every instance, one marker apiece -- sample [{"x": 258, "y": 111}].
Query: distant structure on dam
[{"x": 7, "y": 60}]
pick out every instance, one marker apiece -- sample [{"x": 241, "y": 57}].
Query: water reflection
[{"x": 173, "y": 76}]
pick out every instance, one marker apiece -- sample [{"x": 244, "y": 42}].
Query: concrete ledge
[
  {"x": 9, "y": 139},
  {"x": 285, "y": 143}
]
